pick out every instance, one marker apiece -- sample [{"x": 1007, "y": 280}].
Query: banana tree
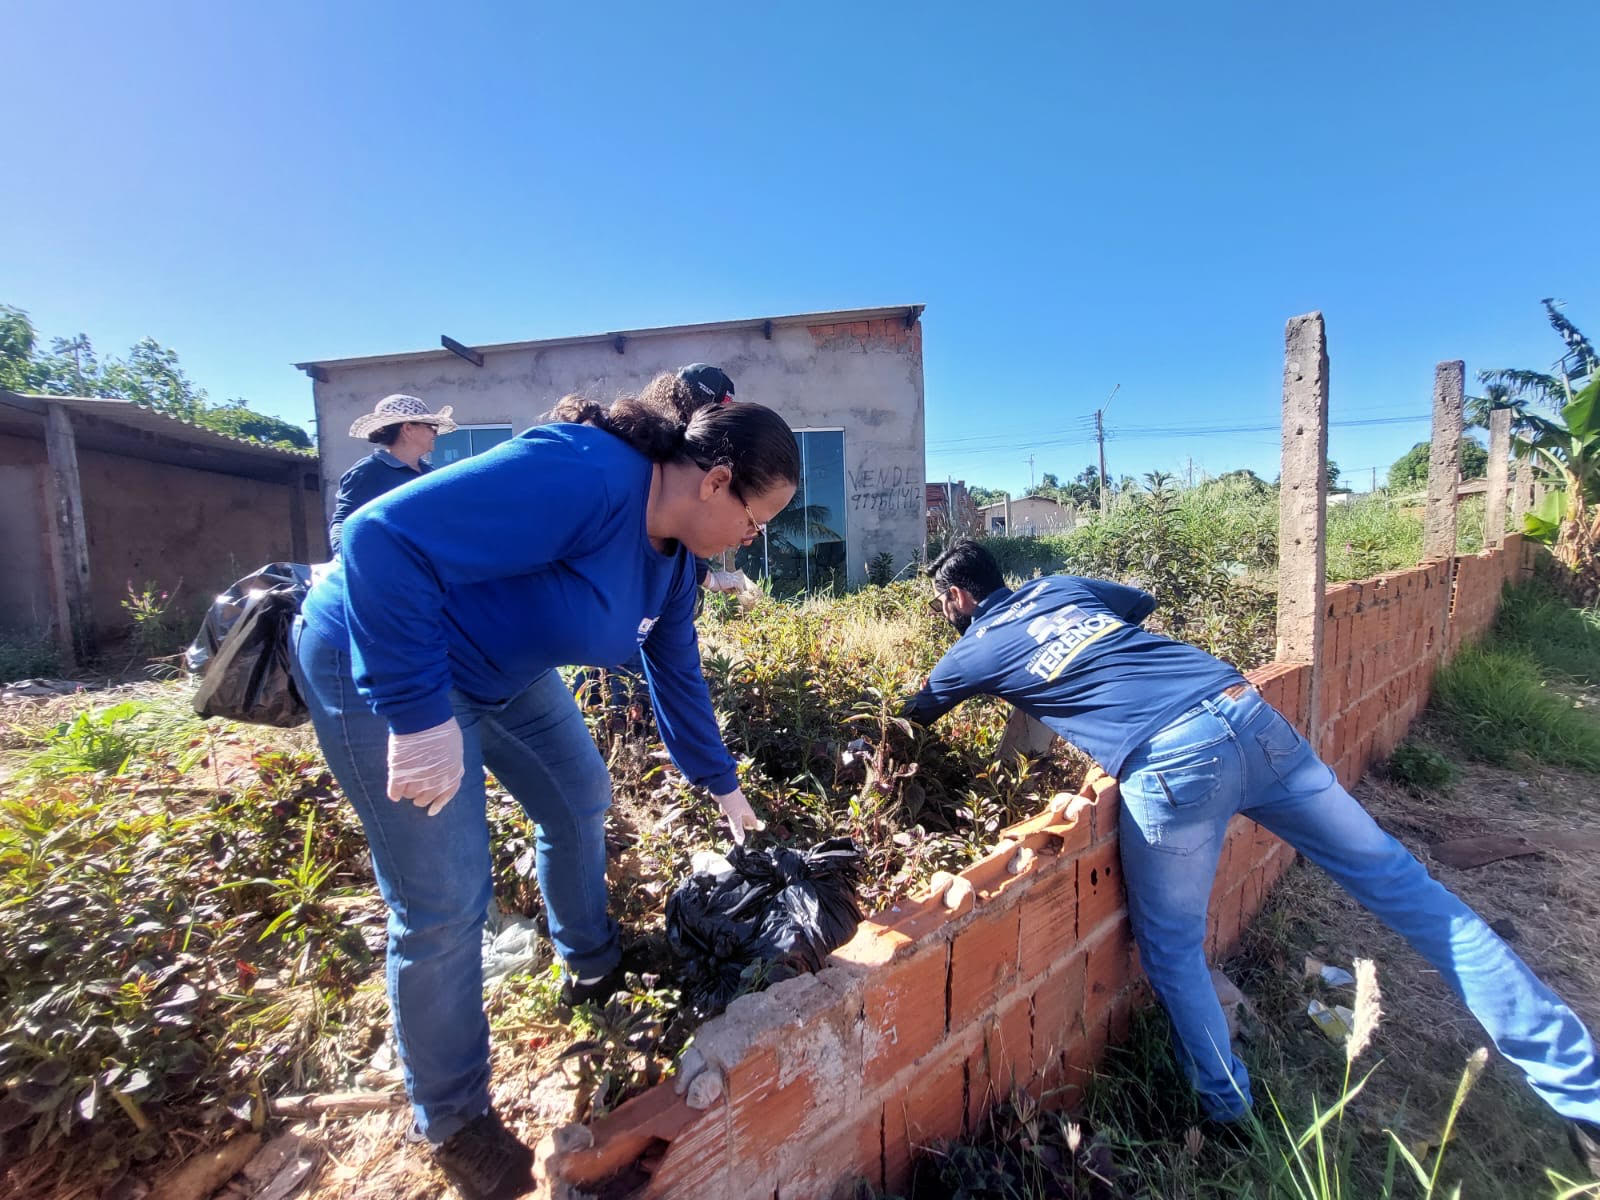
[{"x": 1566, "y": 458}]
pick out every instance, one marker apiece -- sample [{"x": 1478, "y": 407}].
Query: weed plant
[
  {"x": 1565, "y": 641},
  {"x": 1420, "y": 768},
  {"x": 26, "y": 657},
  {"x": 1501, "y": 710},
  {"x": 166, "y": 950}
]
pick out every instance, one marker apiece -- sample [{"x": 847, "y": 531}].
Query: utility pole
[
  {"x": 1374, "y": 479},
  {"x": 1191, "y": 470},
  {"x": 1100, "y": 436},
  {"x": 1030, "y": 472}
]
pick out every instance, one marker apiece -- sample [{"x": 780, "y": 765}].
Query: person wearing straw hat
[{"x": 403, "y": 429}]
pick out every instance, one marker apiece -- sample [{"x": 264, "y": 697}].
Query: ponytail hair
[{"x": 664, "y": 424}]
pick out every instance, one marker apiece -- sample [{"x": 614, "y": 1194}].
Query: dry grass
[{"x": 1505, "y": 1136}]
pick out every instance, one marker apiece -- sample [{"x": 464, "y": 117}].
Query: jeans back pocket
[{"x": 1172, "y": 804}]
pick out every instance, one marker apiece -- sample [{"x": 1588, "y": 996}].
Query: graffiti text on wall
[{"x": 886, "y": 489}]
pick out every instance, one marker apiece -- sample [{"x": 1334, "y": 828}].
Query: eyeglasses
[{"x": 758, "y": 526}]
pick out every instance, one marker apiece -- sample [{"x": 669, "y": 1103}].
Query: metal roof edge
[
  {"x": 37, "y": 402},
  {"x": 836, "y": 317}
]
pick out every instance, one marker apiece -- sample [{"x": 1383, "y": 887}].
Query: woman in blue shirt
[
  {"x": 429, "y": 653},
  {"x": 404, "y": 431}
]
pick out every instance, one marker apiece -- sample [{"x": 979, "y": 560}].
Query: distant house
[
  {"x": 96, "y": 495},
  {"x": 951, "y": 509},
  {"x": 1029, "y": 517}
]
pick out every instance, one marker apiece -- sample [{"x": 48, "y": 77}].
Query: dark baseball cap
[{"x": 709, "y": 384}]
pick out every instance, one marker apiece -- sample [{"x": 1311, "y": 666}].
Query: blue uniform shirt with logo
[
  {"x": 532, "y": 555},
  {"x": 1070, "y": 652}
]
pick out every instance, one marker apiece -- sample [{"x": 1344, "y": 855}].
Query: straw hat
[{"x": 397, "y": 410}]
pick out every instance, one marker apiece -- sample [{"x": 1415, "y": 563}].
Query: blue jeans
[
  {"x": 1238, "y": 755},
  {"x": 434, "y": 872}
]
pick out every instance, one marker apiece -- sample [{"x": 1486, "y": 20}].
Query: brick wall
[{"x": 1017, "y": 974}]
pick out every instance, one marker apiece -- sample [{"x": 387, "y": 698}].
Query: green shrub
[
  {"x": 1499, "y": 709},
  {"x": 27, "y": 657},
  {"x": 1565, "y": 640},
  {"x": 1419, "y": 768}
]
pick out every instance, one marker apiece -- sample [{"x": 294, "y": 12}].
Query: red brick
[
  {"x": 932, "y": 1108},
  {"x": 764, "y": 1110},
  {"x": 904, "y": 1012},
  {"x": 1057, "y": 1018},
  {"x": 1225, "y": 923},
  {"x": 1108, "y": 967},
  {"x": 860, "y": 329},
  {"x": 831, "y": 1165},
  {"x": 1099, "y": 887},
  {"x": 1049, "y": 920},
  {"x": 1107, "y": 812},
  {"x": 983, "y": 964},
  {"x": 694, "y": 1162},
  {"x": 1009, "y": 1042}
]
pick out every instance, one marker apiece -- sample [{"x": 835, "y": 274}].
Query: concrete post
[
  {"x": 1494, "y": 509},
  {"x": 1303, "y": 500},
  {"x": 299, "y": 549},
  {"x": 1444, "y": 462},
  {"x": 1521, "y": 487},
  {"x": 72, "y": 534}
]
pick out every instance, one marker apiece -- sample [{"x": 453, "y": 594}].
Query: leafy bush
[
  {"x": 1563, "y": 639},
  {"x": 25, "y": 657},
  {"x": 1419, "y": 768},
  {"x": 138, "y": 978},
  {"x": 1500, "y": 709}
]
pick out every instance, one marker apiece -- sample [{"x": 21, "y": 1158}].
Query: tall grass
[
  {"x": 1501, "y": 709},
  {"x": 1237, "y": 526},
  {"x": 1564, "y": 640}
]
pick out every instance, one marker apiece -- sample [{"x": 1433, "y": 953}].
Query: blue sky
[{"x": 1083, "y": 196}]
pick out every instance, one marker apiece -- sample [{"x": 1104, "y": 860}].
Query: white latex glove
[
  {"x": 726, "y": 581},
  {"x": 740, "y": 815},
  {"x": 425, "y": 767}
]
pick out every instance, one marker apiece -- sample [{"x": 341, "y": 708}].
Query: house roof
[
  {"x": 908, "y": 312},
  {"x": 1000, "y": 505},
  {"x": 133, "y": 431}
]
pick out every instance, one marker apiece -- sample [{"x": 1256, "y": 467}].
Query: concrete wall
[
  {"x": 1029, "y": 516},
  {"x": 935, "y": 1011},
  {"x": 864, "y": 377},
  {"x": 169, "y": 525},
  {"x": 146, "y": 522},
  {"x": 26, "y": 579}
]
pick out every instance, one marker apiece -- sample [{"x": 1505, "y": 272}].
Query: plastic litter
[
  {"x": 775, "y": 914},
  {"x": 242, "y": 650},
  {"x": 511, "y": 943},
  {"x": 1329, "y": 974},
  {"x": 1336, "y": 1022}
]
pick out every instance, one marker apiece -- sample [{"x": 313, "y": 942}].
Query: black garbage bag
[
  {"x": 242, "y": 650},
  {"x": 777, "y": 913}
]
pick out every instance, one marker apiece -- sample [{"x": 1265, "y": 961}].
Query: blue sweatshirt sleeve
[
  {"x": 1131, "y": 604},
  {"x": 956, "y": 677},
  {"x": 678, "y": 691},
  {"x": 501, "y": 514}
]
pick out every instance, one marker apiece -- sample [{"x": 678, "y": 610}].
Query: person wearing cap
[
  {"x": 1187, "y": 743},
  {"x": 403, "y": 429}
]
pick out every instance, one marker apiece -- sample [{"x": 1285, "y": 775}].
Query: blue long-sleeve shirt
[
  {"x": 377, "y": 473},
  {"x": 1070, "y": 652},
  {"x": 530, "y": 556}
]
